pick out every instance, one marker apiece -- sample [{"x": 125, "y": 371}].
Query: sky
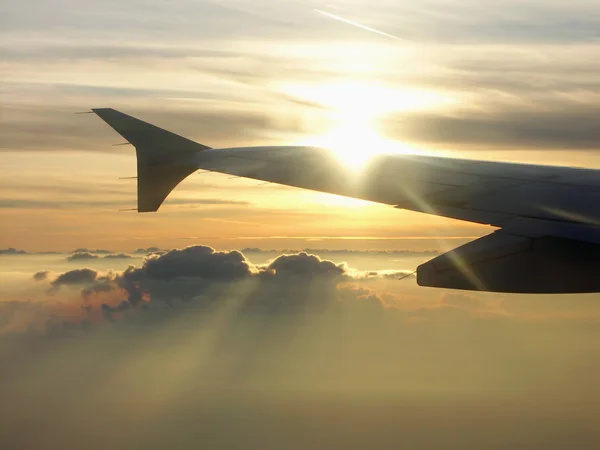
[
  {"x": 515, "y": 80},
  {"x": 244, "y": 315}
]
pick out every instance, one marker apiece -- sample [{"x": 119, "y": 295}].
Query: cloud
[
  {"x": 305, "y": 265},
  {"x": 82, "y": 256},
  {"x": 145, "y": 251},
  {"x": 202, "y": 272},
  {"x": 206, "y": 276},
  {"x": 202, "y": 278},
  {"x": 98, "y": 251},
  {"x": 196, "y": 261},
  {"x": 566, "y": 126},
  {"x": 12, "y": 251},
  {"x": 108, "y": 311},
  {"x": 117, "y": 256},
  {"x": 75, "y": 277},
  {"x": 203, "y": 325},
  {"x": 197, "y": 279},
  {"x": 46, "y": 128},
  {"x": 41, "y": 276},
  {"x": 522, "y": 50}
]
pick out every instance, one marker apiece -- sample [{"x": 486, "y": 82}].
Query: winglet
[{"x": 163, "y": 158}]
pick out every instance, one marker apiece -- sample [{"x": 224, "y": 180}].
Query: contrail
[{"x": 358, "y": 25}]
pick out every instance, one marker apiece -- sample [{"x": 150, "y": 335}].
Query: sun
[
  {"x": 354, "y": 142},
  {"x": 355, "y": 108}
]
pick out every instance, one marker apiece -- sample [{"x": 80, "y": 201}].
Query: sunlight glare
[
  {"x": 355, "y": 109},
  {"x": 354, "y": 142}
]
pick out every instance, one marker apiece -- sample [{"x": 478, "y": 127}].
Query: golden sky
[{"x": 513, "y": 82}]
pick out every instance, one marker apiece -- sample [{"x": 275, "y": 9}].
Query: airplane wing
[{"x": 548, "y": 237}]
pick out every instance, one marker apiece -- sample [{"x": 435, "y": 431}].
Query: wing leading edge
[{"x": 549, "y": 239}]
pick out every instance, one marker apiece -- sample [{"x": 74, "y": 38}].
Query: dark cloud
[
  {"x": 98, "y": 251},
  {"x": 75, "y": 277},
  {"x": 387, "y": 275},
  {"x": 198, "y": 262},
  {"x": 102, "y": 285},
  {"x": 41, "y": 276},
  {"x": 108, "y": 311},
  {"x": 256, "y": 250},
  {"x": 199, "y": 272},
  {"x": 145, "y": 251},
  {"x": 557, "y": 78},
  {"x": 12, "y": 251},
  {"x": 305, "y": 265},
  {"x": 82, "y": 256},
  {"x": 561, "y": 128},
  {"x": 191, "y": 272},
  {"x": 117, "y": 256}
]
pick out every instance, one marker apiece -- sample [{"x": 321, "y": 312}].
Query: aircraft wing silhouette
[{"x": 548, "y": 238}]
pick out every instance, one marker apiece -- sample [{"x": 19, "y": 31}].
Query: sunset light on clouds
[{"x": 180, "y": 316}]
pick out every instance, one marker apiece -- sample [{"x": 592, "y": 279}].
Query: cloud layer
[
  {"x": 197, "y": 333},
  {"x": 205, "y": 276}
]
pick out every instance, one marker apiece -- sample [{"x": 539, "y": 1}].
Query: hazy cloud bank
[{"x": 204, "y": 337}]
